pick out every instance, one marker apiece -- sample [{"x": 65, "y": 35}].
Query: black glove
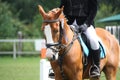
[
  {"x": 74, "y": 28},
  {"x": 82, "y": 27}
]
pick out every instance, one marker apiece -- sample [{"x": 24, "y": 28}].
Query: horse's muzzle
[{"x": 51, "y": 55}]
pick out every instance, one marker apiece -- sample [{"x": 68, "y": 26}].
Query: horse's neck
[{"x": 68, "y": 34}]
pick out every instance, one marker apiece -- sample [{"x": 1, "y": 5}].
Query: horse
[
  {"x": 119, "y": 58},
  {"x": 62, "y": 40}
]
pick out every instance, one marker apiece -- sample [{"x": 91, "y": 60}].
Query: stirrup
[
  {"x": 94, "y": 71},
  {"x": 51, "y": 74}
]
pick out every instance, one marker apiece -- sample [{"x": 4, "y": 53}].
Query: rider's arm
[{"x": 93, "y": 5}]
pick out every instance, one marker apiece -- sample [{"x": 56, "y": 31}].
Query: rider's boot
[{"x": 95, "y": 68}]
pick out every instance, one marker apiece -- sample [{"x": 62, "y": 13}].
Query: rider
[{"x": 81, "y": 14}]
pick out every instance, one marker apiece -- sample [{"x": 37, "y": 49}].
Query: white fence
[
  {"x": 115, "y": 30},
  {"x": 45, "y": 70},
  {"x": 37, "y": 43}
]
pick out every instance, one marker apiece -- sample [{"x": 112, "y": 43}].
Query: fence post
[
  {"x": 115, "y": 31},
  {"x": 20, "y": 36},
  {"x": 14, "y": 50}
]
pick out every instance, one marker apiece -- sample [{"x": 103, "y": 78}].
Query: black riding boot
[{"x": 95, "y": 68}]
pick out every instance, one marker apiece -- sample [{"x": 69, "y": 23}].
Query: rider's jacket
[{"x": 83, "y": 11}]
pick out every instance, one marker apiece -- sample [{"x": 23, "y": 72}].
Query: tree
[
  {"x": 9, "y": 23},
  {"x": 29, "y": 8},
  {"x": 107, "y": 8},
  {"x": 7, "y": 28},
  {"x": 115, "y": 4}
]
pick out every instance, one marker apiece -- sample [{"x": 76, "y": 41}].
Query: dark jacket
[{"x": 84, "y": 11}]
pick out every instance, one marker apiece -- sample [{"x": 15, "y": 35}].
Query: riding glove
[{"x": 83, "y": 27}]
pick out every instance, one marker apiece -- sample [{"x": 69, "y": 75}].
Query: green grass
[
  {"x": 24, "y": 68},
  {"x": 117, "y": 77}
]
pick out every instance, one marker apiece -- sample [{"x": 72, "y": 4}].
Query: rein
[{"x": 59, "y": 46}]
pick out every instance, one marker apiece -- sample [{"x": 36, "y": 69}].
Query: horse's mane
[{"x": 55, "y": 10}]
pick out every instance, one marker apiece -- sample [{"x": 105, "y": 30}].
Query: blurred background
[
  {"x": 23, "y": 15},
  {"x": 20, "y": 31}
]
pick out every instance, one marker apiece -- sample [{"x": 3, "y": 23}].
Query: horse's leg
[
  {"x": 79, "y": 76},
  {"x": 110, "y": 72}
]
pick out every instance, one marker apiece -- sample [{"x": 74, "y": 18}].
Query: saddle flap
[{"x": 86, "y": 50}]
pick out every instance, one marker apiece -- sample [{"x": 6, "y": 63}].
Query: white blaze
[{"x": 48, "y": 34}]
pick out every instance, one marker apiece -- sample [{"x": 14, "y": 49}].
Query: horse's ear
[
  {"x": 62, "y": 8},
  {"x": 59, "y": 12},
  {"x": 41, "y": 10}
]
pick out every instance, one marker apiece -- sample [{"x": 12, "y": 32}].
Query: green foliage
[
  {"x": 49, "y": 4},
  {"x": 115, "y": 4},
  {"x": 23, "y": 15},
  {"x": 9, "y": 24},
  {"x": 6, "y": 25},
  {"x": 28, "y": 46},
  {"x": 37, "y": 24},
  {"x": 29, "y": 8},
  {"x": 107, "y": 8},
  {"x": 6, "y": 47}
]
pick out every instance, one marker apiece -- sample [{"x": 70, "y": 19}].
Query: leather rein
[{"x": 59, "y": 46}]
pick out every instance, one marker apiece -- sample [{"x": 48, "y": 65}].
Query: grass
[
  {"x": 24, "y": 68},
  {"x": 117, "y": 77}
]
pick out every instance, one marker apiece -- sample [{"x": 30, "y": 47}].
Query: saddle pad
[{"x": 86, "y": 50}]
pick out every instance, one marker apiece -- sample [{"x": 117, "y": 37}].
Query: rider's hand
[
  {"x": 83, "y": 27},
  {"x": 74, "y": 28}
]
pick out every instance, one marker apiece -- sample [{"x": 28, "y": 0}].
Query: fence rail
[
  {"x": 115, "y": 30},
  {"x": 20, "y": 41}
]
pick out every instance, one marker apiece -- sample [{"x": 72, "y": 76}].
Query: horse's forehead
[{"x": 53, "y": 12}]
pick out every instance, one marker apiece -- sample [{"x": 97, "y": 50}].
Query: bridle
[{"x": 57, "y": 47}]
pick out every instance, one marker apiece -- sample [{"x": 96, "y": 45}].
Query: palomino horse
[{"x": 61, "y": 40}]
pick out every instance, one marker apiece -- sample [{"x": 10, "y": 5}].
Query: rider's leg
[{"x": 92, "y": 36}]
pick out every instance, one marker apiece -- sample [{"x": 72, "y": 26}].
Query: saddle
[{"x": 85, "y": 44}]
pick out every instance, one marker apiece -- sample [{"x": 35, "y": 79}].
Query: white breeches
[{"x": 92, "y": 36}]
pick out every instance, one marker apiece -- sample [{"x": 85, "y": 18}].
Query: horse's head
[{"x": 52, "y": 28}]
